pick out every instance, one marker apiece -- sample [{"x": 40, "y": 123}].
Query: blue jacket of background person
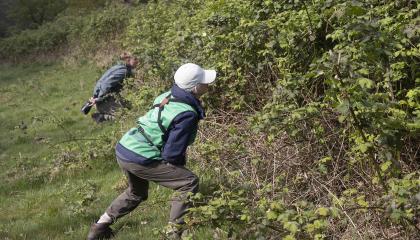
[
  {"x": 111, "y": 81},
  {"x": 177, "y": 136}
]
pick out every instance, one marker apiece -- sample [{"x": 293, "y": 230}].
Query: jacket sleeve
[
  {"x": 110, "y": 82},
  {"x": 180, "y": 132}
]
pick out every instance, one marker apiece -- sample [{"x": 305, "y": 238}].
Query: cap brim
[{"x": 209, "y": 76}]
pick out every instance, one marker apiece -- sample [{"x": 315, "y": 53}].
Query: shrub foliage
[{"x": 318, "y": 106}]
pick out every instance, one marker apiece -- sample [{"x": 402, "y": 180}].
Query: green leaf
[
  {"x": 361, "y": 201},
  {"x": 325, "y": 159},
  {"x": 271, "y": 215},
  {"x": 341, "y": 118},
  {"x": 291, "y": 226},
  {"x": 365, "y": 83},
  {"x": 319, "y": 224},
  {"x": 386, "y": 165},
  {"x": 322, "y": 168},
  {"x": 363, "y": 71},
  {"x": 343, "y": 107},
  {"x": 355, "y": 11},
  {"x": 289, "y": 237},
  {"x": 275, "y": 205},
  {"x": 322, "y": 211},
  {"x": 364, "y": 147}
]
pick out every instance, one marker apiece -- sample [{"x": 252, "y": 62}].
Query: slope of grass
[{"x": 39, "y": 107}]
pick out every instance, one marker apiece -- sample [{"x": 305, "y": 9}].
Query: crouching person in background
[
  {"x": 155, "y": 149},
  {"x": 106, "y": 95}
]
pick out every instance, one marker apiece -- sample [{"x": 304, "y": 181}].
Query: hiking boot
[{"x": 100, "y": 231}]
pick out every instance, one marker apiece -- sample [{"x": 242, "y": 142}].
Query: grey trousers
[
  {"x": 108, "y": 107},
  {"x": 174, "y": 177}
]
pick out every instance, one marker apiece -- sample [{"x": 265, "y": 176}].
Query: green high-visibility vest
[{"x": 147, "y": 138}]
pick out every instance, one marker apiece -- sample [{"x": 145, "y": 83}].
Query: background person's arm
[{"x": 110, "y": 82}]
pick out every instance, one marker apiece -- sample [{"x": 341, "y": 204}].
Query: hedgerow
[{"x": 317, "y": 105}]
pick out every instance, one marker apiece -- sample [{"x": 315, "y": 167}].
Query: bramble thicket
[{"x": 313, "y": 123}]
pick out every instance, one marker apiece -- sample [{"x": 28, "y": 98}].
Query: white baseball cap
[{"x": 189, "y": 75}]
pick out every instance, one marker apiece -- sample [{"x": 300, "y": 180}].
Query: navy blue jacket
[
  {"x": 177, "y": 136},
  {"x": 111, "y": 81}
]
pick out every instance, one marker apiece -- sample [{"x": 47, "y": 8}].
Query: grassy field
[{"x": 44, "y": 192}]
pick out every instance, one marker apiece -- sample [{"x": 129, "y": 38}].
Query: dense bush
[
  {"x": 317, "y": 104},
  {"x": 69, "y": 30},
  {"x": 32, "y": 13},
  {"x": 48, "y": 37}
]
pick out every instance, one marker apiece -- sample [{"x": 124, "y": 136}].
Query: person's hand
[{"x": 92, "y": 101}]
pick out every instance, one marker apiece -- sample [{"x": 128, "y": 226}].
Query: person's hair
[
  {"x": 192, "y": 90},
  {"x": 125, "y": 56}
]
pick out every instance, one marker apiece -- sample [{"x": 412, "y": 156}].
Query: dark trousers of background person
[
  {"x": 108, "y": 107},
  {"x": 174, "y": 177}
]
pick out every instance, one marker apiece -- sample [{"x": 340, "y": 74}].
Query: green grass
[{"x": 39, "y": 113}]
